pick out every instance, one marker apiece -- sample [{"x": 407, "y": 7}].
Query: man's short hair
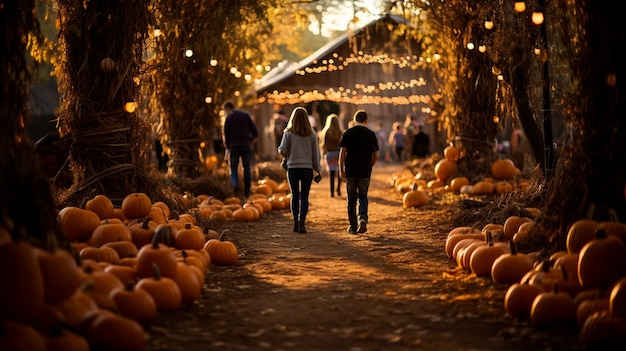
[
  {"x": 229, "y": 105},
  {"x": 360, "y": 116}
]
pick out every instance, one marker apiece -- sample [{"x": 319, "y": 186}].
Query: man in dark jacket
[{"x": 239, "y": 133}]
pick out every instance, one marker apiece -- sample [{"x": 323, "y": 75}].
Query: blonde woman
[
  {"x": 330, "y": 149},
  {"x": 300, "y": 147}
]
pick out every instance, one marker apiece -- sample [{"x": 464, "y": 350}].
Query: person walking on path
[
  {"x": 397, "y": 139},
  {"x": 421, "y": 143},
  {"x": 239, "y": 133},
  {"x": 330, "y": 149},
  {"x": 301, "y": 150},
  {"x": 358, "y": 153}
]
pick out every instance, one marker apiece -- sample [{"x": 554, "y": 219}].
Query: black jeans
[
  {"x": 245, "y": 153},
  {"x": 300, "y": 180},
  {"x": 356, "y": 189}
]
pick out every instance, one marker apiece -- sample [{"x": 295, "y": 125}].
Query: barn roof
[{"x": 288, "y": 69}]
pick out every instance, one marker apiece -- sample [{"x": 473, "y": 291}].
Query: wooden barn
[{"x": 375, "y": 68}]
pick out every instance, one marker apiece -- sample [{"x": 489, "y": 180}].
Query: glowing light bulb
[
  {"x": 489, "y": 24},
  {"x": 537, "y": 17},
  {"x": 470, "y": 46},
  {"x": 188, "y": 53},
  {"x": 520, "y": 6}
]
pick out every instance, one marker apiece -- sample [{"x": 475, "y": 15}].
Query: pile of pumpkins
[
  {"x": 582, "y": 286},
  {"x": 503, "y": 178},
  {"x": 133, "y": 262},
  {"x": 267, "y": 195}
]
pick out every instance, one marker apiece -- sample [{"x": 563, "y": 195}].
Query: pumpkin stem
[
  {"x": 222, "y": 234},
  {"x": 130, "y": 286},
  {"x": 174, "y": 214},
  {"x": 83, "y": 202},
  {"x": 146, "y": 221},
  {"x": 513, "y": 247}
]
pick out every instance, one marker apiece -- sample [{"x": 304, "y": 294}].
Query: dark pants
[
  {"x": 334, "y": 175},
  {"x": 300, "y": 185},
  {"x": 245, "y": 153},
  {"x": 356, "y": 189}
]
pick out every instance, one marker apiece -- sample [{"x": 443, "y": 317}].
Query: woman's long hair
[
  {"x": 332, "y": 128},
  {"x": 299, "y": 122}
]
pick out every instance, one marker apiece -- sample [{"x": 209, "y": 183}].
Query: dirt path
[{"x": 392, "y": 288}]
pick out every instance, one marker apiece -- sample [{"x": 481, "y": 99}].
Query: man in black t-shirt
[{"x": 358, "y": 153}]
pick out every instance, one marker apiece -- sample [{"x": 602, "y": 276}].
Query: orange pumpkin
[
  {"x": 519, "y": 298},
  {"x": 136, "y": 304},
  {"x": 580, "y": 233},
  {"x": 109, "y": 331},
  {"x": 445, "y": 169},
  {"x": 222, "y": 252},
  {"x": 22, "y": 293},
  {"x": 504, "y": 169},
  {"x": 553, "y": 309},
  {"x": 101, "y": 205},
  {"x": 415, "y": 198},
  {"x": 110, "y": 232},
  {"x": 159, "y": 254},
  {"x": 164, "y": 290},
  {"x": 458, "y": 182},
  {"x": 602, "y": 262},
  {"x": 136, "y": 205},
  {"x": 77, "y": 224},
  {"x": 451, "y": 153}
]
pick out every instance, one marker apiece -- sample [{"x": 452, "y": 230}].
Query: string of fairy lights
[{"x": 360, "y": 93}]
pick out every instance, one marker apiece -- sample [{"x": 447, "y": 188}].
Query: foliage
[
  {"x": 107, "y": 141},
  {"x": 27, "y": 203},
  {"x": 185, "y": 89}
]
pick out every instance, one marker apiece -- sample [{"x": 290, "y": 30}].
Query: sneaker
[
  {"x": 362, "y": 227},
  {"x": 351, "y": 230}
]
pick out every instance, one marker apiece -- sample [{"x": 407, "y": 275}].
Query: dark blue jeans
[
  {"x": 245, "y": 153},
  {"x": 356, "y": 189},
  {"x": 300, "y": 185}
]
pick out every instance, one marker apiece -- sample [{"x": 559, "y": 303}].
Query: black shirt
[{"x": 360, "y": 143}]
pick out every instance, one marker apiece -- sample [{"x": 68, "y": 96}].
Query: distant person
[
  {"x": 329, "y": 138},
  {"x": 410, "y": 130},
  {"x": 278, "y": 124},
  {"x": 239, "y": 132},
  {"x": 383, "y": 146},
  {"x": 421, "y": 143},
  {"x": 301, "y": 150},
  {"x": 358, "y": 153},
  {"x": 397, "y": 140}
]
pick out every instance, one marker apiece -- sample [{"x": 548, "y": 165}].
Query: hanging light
[
  {"x": 157, "y": 31},
  {"x": 470, "y": 46},
  {"x": 489, "y": 24},
  {"x": 208, "y": 99},
  {"x": 130, "y": 106},
  {"x": 537, "y": 51},
  {"x": 482, "y": 48},
  {"x": 537, "y": 16},
  {"x": 520, "y": 6},
  {"x": 213, "y": 62},
  {"x": 247, "y": 77},
  {"x": 188, "y": 53}
]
